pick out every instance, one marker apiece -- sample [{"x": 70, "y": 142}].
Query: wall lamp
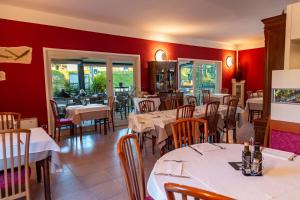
[
  {"x": 160, "y": 55},
  {"x": 229, "y": 61}
]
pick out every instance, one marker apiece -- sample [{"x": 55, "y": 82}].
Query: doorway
[
  {"x": 196, "y": 75},
  {"x": 94, "y": 73}
]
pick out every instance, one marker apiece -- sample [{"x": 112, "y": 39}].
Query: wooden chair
[
  {"x": 9, "y": 120},
  {"x": 187, "y": 191},
  {"x": 171, "y": 103},
  {"x": 59, "y": 122},
  {"x": 249, "y": 94},
  {"x": 185, "y": 132},
  {"x": 147, "y": 106},
  {"x": 132, "y": 164},
  {"x": 14, "y": 178},
  {"x": 225, "y": 91},
  {"x": 267, "y": 133},
  {"x": 186, "y": 111},
  {"x": 111, "y": 104},
  {"x": 192, "y": 100},
  {"x": 110, "y": 120},
  {"x": 227, "y": 98},
  {"x": 212, "y": 117},
  {"x": 260, "y": 93},
  {"x": 230, "y": 119},
  {"x": 205, "y": 96}
]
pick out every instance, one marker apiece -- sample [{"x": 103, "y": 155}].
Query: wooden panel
[
  {"x": 285, "y": 126},
  {"x": 274, "y": 54}
]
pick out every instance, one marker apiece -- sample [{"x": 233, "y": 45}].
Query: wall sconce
[
  {"x": 229, "y": 61},
  {"x": 160, "y": 55}
]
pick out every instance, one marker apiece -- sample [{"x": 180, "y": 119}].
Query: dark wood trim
[{"x": 290, "y": 127}]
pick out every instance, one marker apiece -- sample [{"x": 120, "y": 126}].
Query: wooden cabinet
[
  {"x": 163, "y": 76},
  {"x": 274, "y": 31},
  {"x": 292, "y": 41},
  {"x": 294, "y": 12}
]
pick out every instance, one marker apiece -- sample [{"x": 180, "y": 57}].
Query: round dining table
[{"x": 212, "y": 170}]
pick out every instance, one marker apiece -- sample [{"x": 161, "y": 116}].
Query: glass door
[{"x": 198, "y": 75}]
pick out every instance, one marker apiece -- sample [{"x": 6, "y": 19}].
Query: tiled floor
[{"x": 91, "y": 168}]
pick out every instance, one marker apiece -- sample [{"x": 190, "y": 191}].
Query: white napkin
[
  {"x": 284, "y": 155},
  {"x": 169, "y": 168},
  {"x": 205, "y": 147}
]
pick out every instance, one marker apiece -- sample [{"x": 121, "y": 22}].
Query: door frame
[
  {"x": 218, "y": 63},
  {"x": 54, "y": 53}
]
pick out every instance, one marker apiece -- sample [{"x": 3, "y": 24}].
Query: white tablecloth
[
  {"x": 160, "y": 121},
  {"x": 80, "y": 113},
  {"x": 136, "y": 101},
  {"x": 280, "y": 180},
  {"x": 218, "y": 97},
  {"x": 254, "y": 104},
  {"x": 41, "y": 146}
]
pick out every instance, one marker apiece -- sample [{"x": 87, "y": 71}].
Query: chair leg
[
  {"x": 234, "y": 135},
  {"x": 59, "y": 133},
  {"x": 227, "y": 140},
  {"x": 54, "y": 136},
  {"x": 153, "y": 143},
  {"x": 95, "y": 121}
]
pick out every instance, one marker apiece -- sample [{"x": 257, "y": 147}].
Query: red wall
[
  {"x": 24, "y": 89},
  {"x": 252, "y": 64}
]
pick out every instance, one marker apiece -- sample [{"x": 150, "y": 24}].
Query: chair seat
[
  {"x": 148, "y": 198},
  {"x": 65, "y": 121},
  {"x": 9, "y": 180}
]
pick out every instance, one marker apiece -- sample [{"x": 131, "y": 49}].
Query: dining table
[
  {"x": 80, "y": 113},
  {"x": 159, "y": 122},
  {"x": 137, "y": 100},
  {"x": 217, "y": 168},
  {"x": 218, "y": 97},
  {"x": 255, "y": 103},
  {"x": 44, "y": 152}
]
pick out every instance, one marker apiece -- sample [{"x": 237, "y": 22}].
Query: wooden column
[{"x": 274, "y": 31}]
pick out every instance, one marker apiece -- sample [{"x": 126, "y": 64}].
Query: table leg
[
  {"x": 105, "y": 126},
  {"x": 38, "y": 166},
  {"x": 46, "y": 176},
  {"x": 80, "y": 127}
]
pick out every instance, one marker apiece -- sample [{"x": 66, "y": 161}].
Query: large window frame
[
  {"x": 198, "y": 62},
  {"x": 52, "y": 53}
]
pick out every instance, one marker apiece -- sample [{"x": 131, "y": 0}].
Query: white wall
[{"x": 286, "y": 79}]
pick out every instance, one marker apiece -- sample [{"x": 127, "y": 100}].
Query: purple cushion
[
  {"x": 148, "y": 198},
  {"x": 65, "y": 121},
  {"x": 285, "y": 141},
  {"x": 9, "y": 181}
]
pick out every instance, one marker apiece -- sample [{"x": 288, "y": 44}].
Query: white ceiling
[{"x": 228, "y": 21}]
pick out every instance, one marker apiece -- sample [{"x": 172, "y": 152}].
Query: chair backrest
[
  {"x": 54, "y": 110},
  {"x": 192, "y": 100},
  {"x": 260, "y": 93},
  {"x": 171, "y": 103},
  {"x": 249, "y": 94},
  {"x": 146, "y": 106},
  {"x": 111, "y": 105},
  {"x": 187, "y": 132},
  {"x": 9, "y": 120},
  {"x": 15, "y": 148},
  {"x": 211, "y": 115},
  {"x": 224, "y": 90},
  {"x": 205, "y": 96},
  {"x": 267, "y": 133},
  {"x": 230, "y": 119},
  {"x": 186, "y": 111},
  {"x": 187, "y": 191},
  {"x": 227, "y": 98},
  {"x": 131, "y": 160}
]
